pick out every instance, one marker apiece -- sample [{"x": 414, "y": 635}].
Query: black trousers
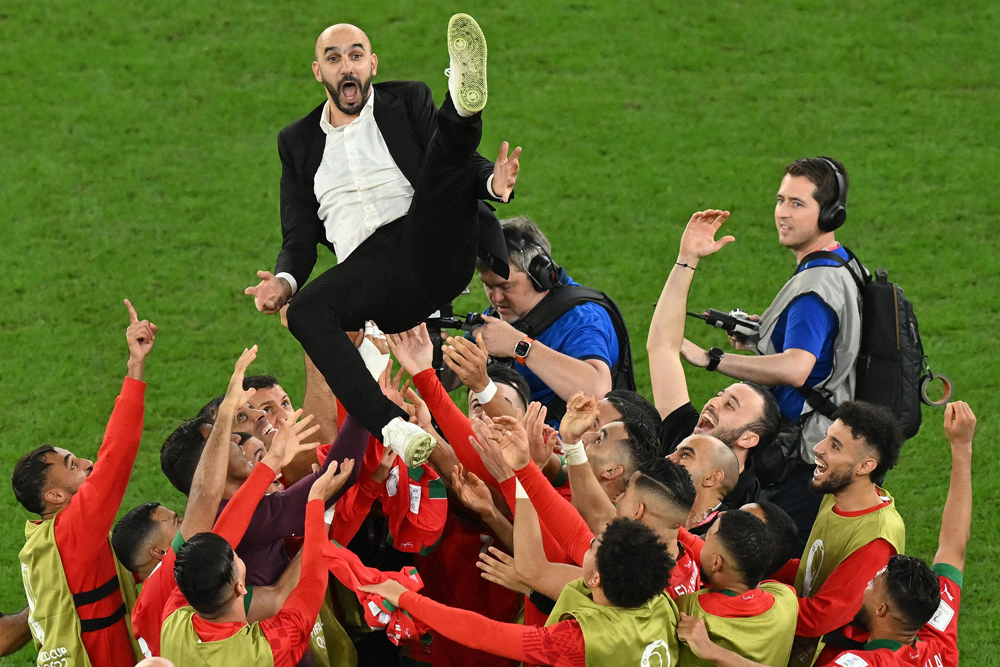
[
  {"x": 798, "y": 500},
  {"x": 400, "y": 275}
]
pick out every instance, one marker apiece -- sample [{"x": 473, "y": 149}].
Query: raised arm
[
  {"x": 666, "y": 330},
  {"x": 209, "y": 481},
  {"x": 589, "y": 497},
  {"x": 956, "y": 519}
]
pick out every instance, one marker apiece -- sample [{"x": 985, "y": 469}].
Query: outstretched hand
[
  {"x": 270, "y": 294},
  {"x": 287, "y": 442},
  {"x": 541, "y": 436},
  {"x": 499, "y": 568},
  {"x": 472, "y": 491},
  {"x": 236, "y": 396},
  {"x": 699, "y": 236},
  {"x": 468, "y": 361},
  {"x": 412, "y": 349},
  {"x": 331, "y": 481},
  {"x": 390, "y": 590},
  {"x": 139, "y": 336},
  {"x": 487, "y": 445},
  {"x": 581, "y": 414},
  {"x": 505, "y": 171}
]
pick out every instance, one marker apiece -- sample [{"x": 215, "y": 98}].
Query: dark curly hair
[
  {"x": 633, "y": 563},
  {"x": 620, "y": 397},
  {"x": 914, "y": 588},
  {"x": 508, "y": 376},
  {"x": 767, "y": 425},
  {"x": 880, "y": 429},
  {"x": 745, "y": 539},
  {"x": 640, "y": 442}
]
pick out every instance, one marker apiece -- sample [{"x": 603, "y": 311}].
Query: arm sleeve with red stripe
[
  {"x": 839, "y": 598},
  {"x": 553, "y": 551},
  {"x": 559, "y": 645},
  {"x": 556, "y": 514},
  {"x": 455, "y": 426},
  {"x": 288, "y": 631},
  {"x": 692, "y": 543}
]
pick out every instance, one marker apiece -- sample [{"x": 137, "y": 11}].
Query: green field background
[{"x": 138, "y": 159}]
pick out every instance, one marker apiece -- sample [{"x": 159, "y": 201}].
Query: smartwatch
[
  {"x": 714, "y": 357},
  {"x": 522, "y": 349}
]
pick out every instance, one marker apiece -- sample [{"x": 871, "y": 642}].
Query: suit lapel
[{"x": 393, "y": 123}]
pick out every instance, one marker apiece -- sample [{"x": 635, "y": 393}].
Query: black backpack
[
  {"x": 891, "y": 369},
  {"x": 559, "y": 301}
]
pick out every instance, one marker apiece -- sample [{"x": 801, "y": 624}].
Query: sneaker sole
[
  {"x": 467, "y": 48},
  {"x": 421, "y": 451}
]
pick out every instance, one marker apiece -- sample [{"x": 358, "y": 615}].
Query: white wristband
[
  {"x": 487, "y": 394},
  {"x": 519, "y": 491},
  {"x": 576, "y": 453},
  {"x": 373, "y": 358}
]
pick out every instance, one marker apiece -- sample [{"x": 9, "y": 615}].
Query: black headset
[
  {"x": 542, "y": 269},
  {"x": 834, "y": 212}
]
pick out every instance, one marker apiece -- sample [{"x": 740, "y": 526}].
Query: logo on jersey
[
  {"x": 814, "y": 563},
  {"x": 656, "y": 654},
  {"x": 942, "y": 617},
  {"x": 850, "y": 660}
]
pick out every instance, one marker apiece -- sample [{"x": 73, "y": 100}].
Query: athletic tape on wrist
[
  {"x": 576, "y": 453},
  {"x": 519, "y": 491},
  {"x": 486, "y": 395},
  {"x": 374, "y": 360}
]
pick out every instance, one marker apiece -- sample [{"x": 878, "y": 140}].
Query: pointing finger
[{"x": 133, "y": 318}]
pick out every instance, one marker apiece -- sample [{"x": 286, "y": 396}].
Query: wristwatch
[
  {"x": 522, "y": 349},
  {"x": 714, "y": 357}
]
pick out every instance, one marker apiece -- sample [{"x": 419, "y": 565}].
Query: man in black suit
[{"x": 394, "y": 187}]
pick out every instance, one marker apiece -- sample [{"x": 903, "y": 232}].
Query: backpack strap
[{"x": 859, "y": 280}]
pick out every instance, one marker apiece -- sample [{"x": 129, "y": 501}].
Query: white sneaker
[
  {"x": 467, "y": 74},
  {"x": 411, "y": 442}
]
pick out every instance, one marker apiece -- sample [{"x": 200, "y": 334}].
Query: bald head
[
  {"x": 155, "y": 662},
  {"x": 709, "y": 461},
  {"x": 341, "y": 36}
]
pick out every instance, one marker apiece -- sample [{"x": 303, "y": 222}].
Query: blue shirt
[
  {"x": 811, "y": 325},
  {"x": 582, "y": 332}
]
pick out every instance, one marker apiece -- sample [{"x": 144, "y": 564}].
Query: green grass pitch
[{"x": 139, "y": 160}]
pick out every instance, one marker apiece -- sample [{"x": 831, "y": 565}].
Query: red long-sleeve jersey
[
  {"x": 559, "y": 645},
  {"x": 288, "y": 631},
  {"x": 81, "y": 530}
]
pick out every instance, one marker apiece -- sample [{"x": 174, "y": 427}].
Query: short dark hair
[
  {"x": 508, "y": 376},
  {"x": 30, "y": 477},
  {"x": 669, "y": 481},
  {"x": 880, "y": 429},
  {"x": 259, "y": 382},
  {"x": 640, "y": 442},
  {"x": 131, "y": 532},
  {"x": 211, "y": 410},
  {"x": 819, "y": 173},
  {"x": 205, "y": 569},
  {"x": 768, "y": 424},
  {"x": 914, "y": 588},
  {"x": 619, "y": 397},
  {"x": 633, "y": 563},
  {"x": 181, "y": 453},
  {"x": 745, "y": 539},
  {"x": 783, "y": 535}
]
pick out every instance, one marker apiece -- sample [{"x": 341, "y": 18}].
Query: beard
[
  {"x": 364, "y": 88},
  {"x": 729, "y": 436},
  {"x": 835, "y": 481},
  {"x": 863, "y": 619}
]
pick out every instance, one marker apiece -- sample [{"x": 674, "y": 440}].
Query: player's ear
[
  {"x": 614, "y": 472},
  {"x": 748, "y": 439},
  {"x": 374, "y": 64},
  {"x": 315, "y": 69},
  {"x": 867, "y": 466}
]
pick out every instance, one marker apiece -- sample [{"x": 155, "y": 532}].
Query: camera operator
[
  {"x": 810, "y": 334},
  {"x": 562, "y": 337}
]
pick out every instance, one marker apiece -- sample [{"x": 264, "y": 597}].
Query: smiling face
[
  {"x": 345, "y": 66},
  {"x": 841, "y": 460},
  {"x": 513, "y": 297},
  {"x": 796, "y": 213},
  {"x": 727, "y": 415},
  {"x": 273, "y": 405}
]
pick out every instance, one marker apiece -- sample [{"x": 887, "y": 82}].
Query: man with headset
[
  {"x": 562, "y": 337},
  {"x": 809, "y": 336}
]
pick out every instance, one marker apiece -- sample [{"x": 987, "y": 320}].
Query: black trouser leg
[
  {"x": 342, "y": 299},
  {"x": 441, "y": 234}
]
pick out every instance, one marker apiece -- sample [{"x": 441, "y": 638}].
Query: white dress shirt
[{"x": 358, "y": 185}]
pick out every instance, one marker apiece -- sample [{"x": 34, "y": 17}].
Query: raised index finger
[{"x": 132, "y": 317}]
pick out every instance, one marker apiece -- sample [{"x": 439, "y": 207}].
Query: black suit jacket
[{"x": 407, "y": 118}]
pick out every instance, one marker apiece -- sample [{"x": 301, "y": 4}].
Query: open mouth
[
  {"x": 820, "y": 470},
  {"x": 350, "y": 92},
  {"x": 707, "y": 422},
  {"x": 268, "y": 430}
]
